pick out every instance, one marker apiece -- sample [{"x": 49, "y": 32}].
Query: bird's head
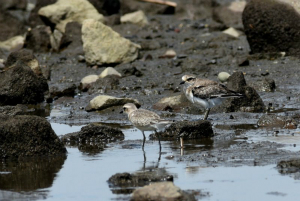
[
  {"x": 129, "y": 107},
  {"x": 188, "y": 79}
]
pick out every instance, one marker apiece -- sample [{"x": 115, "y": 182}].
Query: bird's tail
[{"x": 163, "y": 124}]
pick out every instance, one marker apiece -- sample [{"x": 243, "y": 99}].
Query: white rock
[
  {"x": 13, "y": 44},
  {"x": 232, "y": 32},
  {"x": 86, "y": 82},
  {"x": 237, "y": 6},
  {"x": 223, "y": 76},
  {"x": 65, "y": 11},
  {"x": 102, "y": 45},
  {"x": 103, "y": 101},
  {"x": 109, "y": 71},
  {"x": 137, "y": 17}
]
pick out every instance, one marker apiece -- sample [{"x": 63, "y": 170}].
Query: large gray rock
[
  {"x": 273, "y": 26},
  {"x": 65, "y": 11},
  {"x": 20, "y": 85},
  {"x": 102, "y": 45},
  {"x": 103, "y": 101},
  {"x": 160, "y": 191},
  {"x": 28, "y": 136}
]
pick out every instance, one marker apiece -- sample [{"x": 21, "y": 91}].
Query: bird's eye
[{"x": 124, "y": 108}]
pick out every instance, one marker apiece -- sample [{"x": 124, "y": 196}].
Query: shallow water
[{"x": 84, "y": 176}]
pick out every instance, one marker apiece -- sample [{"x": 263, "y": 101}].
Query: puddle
[{"x": 84, "y": 177}]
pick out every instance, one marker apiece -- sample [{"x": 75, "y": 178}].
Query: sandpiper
[
  {"x": 145, "y": 120},
  {"x": 206, "y": 93}
]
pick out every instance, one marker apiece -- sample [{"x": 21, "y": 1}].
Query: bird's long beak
[
  {"x": 121, "y": 112},
  {"x": 182, "y": 82}
]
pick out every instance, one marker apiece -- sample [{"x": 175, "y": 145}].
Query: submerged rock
[
  {"x": 161, "y": 191},
  {"x": 291, "y": 166},
  {"x": 271, "y": 120},
  {"x": 93, "y": 138},
  {"x": 28, "y": 136},
  {"x": 114, "y": 48},
  {"x": 272, "y": 26},
  {"x": 20, "y": 85},
  {"x": 187, "y": 130},
  {"x": 103, "y": 101},
  {"x": 64, "y": 11}
]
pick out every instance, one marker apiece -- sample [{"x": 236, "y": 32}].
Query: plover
[
  {"x": 206, "y": 93},
  {"x": 145, "y": 120}
]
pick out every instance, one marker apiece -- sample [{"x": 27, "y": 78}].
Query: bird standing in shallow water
[
  {"x": 206, "y": 93},
  {"x": 145, "y": 120}
]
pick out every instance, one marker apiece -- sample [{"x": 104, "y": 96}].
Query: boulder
[
  {"x": 250, "y": 102},
  {"x": 38, "y": 39},
  {"x": 102, "y": 45},
  {"x": 13, "y": 44},
  {"x": 109, "y": 71},
  {"x": 187, "y": 130},
  {"x": 273, "y": 26},
  {"x": 138, "y": 18},
  {"x": 271, "y": 120},
  {"x": 20, "y": 85},
  {"x": 64, "y": 11},
  {"x": 28, "y": 136},
  {"x": 103, "y": 101},
  {"x": 87, "y": 81},
  {"x": 27, "y": 57},
  {"x": 160, "y": 191},
  {"x": 93, "y": 138}
]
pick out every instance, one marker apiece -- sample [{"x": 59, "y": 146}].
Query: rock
[
  {"x": 242, "y": 61},
  {"x": 27, "y": 57},
  {"x": 10, "y": 26},
  {"x": 114, "y": 48},
  {"x": 20, "y": 85},
  {"x": 251, "y": 102},
  {"x": 131, "y": 70},
  {"x": 150, "y": 45},
  {"x": 138, "y": 18},
  {"x": 160, "y": 191},
  {"x": 102, "y": 85},
  {"x": 38, "y": 39},
  {"x": 106, "y": 7},
  {"x": 289, "y": 166},
  {"x": 13, "y": 110},
  {"x": 60, "y": 90},
  {"x": 168, "y": 54},
  {"x": 109, "y": 71},
  {"x": 102, "y": 102},
  {"x": 93, "y": 138},
  {"x": 223, "y": 76},
  {"x": 28, "y": 136},
  {"x": 71, "y": 41},
  {"x": 138, "y": 179},
  {"x": 266, "y": 85},
  {"x": 270, "y": 120},
  {"x": 187, "y": 130},
  {"x": 272, "y": 26},
  {"x": 172, "y": 103},
  {"x": 87, "y": 81},
  {"x": 13, "y": 44},
  {"x": 129, "y": 6},
  {"x": 230, "y": 15},
  {"x": 232, "y": 32},
  {"x": 55, "y": 39},
  {"x": 64, "y": 11}
]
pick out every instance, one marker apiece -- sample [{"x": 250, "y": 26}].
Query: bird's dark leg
[
  {"x": 206, "y": 113},
  {"x": 143, "y": 140},
  {"x": 159, "y": 144}
]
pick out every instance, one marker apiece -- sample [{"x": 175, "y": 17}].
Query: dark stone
[
  {"x": 250, "y": 102},
  {"x": 266, "y": 85},
  {"x": 291, "y": 166},
  {"x": 63, "y": 90},
  {"x": 187, "y": 130},
  {"x": 113, "y": 20},
  {"x": 38, "y": 39},
  {"x": 10, "y": 26},
  {"x": 150, "y": 45},
  {"x": 71, "y": 41},
  {"x": 13, "y": 5},
  {"x": 13, "y": 110},
  {"x": 23, "y": 55},
  {"x": 93, "y": 138},
  {"x": 271, "y": 120},
  {"x": 109, "y": 82},
  {"x": 106, "y": 7},
  {"x": 243, "y": 61},
  {"x": 131, "y": 70},
  {"x": 20, "y": 85},
  {"x": 228, "y": 17},
  {"x": 28, "y": 136},
  {"x": 272, "y": 26},
  {"x": 138, "y": 179}
]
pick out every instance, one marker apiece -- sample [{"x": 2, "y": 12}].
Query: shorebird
[
  {"x": 206, "y": 93},
  {"x": 145, "y": 120}
]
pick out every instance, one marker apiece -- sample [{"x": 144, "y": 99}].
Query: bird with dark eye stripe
[{"x": 206, "y": 93}]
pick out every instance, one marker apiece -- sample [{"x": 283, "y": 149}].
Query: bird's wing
[
  {"x": 143, "y": 117},
  {"x": 213, "y": 91}
]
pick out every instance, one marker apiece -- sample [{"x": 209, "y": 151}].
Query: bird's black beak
[
  {"x": 121, "y": 112},
  {"x": 182, "y": 82}
]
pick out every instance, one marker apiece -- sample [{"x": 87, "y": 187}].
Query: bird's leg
[
  {"x": 159, "y": 144},
  {"x": 181, "y": 142},
  {"x": 143, "y": 140},
  {"x": 145, "y": 160},
  {"x": 206, "y": 113}
]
